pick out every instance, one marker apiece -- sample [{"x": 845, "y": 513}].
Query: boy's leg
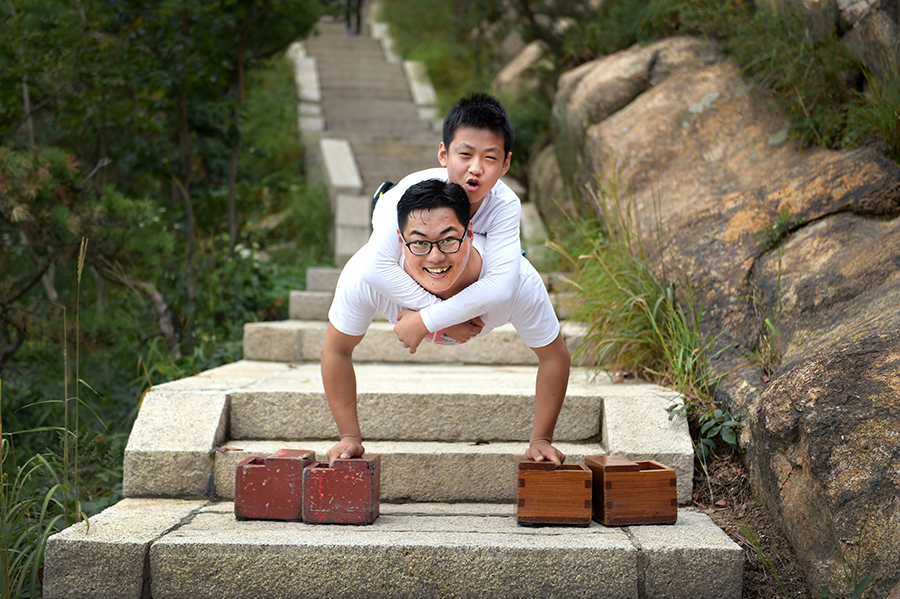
[
  {"x": 339, "y": 380},
  {"x": 549, "y": 392}
]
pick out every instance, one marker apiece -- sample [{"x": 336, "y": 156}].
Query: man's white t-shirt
[
  {"x": 497, "y": 218},
  {"x": 528, "y": 308}
]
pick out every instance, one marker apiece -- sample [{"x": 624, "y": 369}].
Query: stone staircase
[{"x": 447, "y": 421}]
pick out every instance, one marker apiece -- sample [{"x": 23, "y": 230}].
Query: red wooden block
[
  {"x": 549, "y": 495},
  {"x": 628, "y": 493},
  {"x": 348, "y": 493},
  {"x": 271, "y": 488}
]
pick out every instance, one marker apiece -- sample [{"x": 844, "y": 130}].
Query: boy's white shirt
[
  {"x": 498, "y": 218},
  {"x": 528, "y": 308}
]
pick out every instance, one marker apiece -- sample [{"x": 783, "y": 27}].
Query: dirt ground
[{"x": 727, "y": 498}]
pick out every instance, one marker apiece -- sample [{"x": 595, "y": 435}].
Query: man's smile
[{"x": 436, "y": 271}]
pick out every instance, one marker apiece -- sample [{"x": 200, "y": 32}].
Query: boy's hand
[
  {"x": 410, "y": 329},
  {"x": 346, "y": 448},
  {"x": 541, "y": 451},
  {"x": 465, "y": 330}
]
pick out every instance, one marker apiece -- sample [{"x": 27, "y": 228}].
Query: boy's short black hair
[
  {"x": 430, "y": 195},
  {"x": 480, "y": 111}
]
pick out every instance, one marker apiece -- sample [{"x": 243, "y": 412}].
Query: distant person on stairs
[
  {"x": 353, "y": 10},
  {"x": 440, "y": 253},
  {"x": 475, "y": 151}
]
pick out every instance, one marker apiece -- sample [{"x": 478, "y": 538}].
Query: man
[{"x": 439, "y": 253}]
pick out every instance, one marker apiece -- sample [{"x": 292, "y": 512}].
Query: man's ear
[
  {"x": 399, "y": 237},
  {"x": 442, "y": 155},
  {"x": 471, "y": 232}
]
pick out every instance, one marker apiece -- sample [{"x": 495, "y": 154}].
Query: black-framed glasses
[{"x": 447, "y": 245}]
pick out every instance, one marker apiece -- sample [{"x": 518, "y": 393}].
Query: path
[{"x": 447, "y": 525}]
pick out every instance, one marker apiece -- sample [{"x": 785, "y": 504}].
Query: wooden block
[
  {"x": 628, "y": 493},
  {"x": 271, "y": 488},
  {"x": 547, "y": 495},
  {"x": 348, "y": 493}
]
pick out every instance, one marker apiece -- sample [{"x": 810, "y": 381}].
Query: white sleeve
[
  {"x": 502, "y": 254},
  {"x": 382, "y": 270}
]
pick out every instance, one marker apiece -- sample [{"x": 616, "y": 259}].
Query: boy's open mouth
[
  {"x": 436, "y": 271},
  {"x": 472, "y": 184}
]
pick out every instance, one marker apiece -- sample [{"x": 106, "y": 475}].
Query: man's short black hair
[
  {"x": 480, "y": 111},
  {"x": 430, "y": 195}
]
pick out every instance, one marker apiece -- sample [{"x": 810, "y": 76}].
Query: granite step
[
  {"x": 190, "y": 434},
  {"x": 171, "y": 549},
  {"x": 301, "y": 340}
]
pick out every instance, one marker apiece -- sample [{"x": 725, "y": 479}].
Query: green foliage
[
  {"x": 877, "y": 111},
  {"x": 767, "y": 354},
  {"x": 638, "y": 322}
]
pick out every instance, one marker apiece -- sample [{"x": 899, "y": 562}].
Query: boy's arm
[
  {"x": 339, "y": 380},
  {"x": 383, "y": 272},
  {"x": 549, "y": 393},
  {"x": 501, "y": 255}
]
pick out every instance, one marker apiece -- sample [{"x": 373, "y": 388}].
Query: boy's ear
[
  {"x": 442, "y": 155},
  {"x": 506, "y": 163}
]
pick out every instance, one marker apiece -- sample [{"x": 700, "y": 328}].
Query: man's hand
[
  {"x": 410, "y": 329},
  {"x": 465, "y": 330},
  {"x": 541, "y": 451},
  {"x": 346, "y": 448}
]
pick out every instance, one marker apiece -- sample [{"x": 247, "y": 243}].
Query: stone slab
[
  {"x": 309, "y": 305},
  {"x": 108, "y": 560},
  {"x": 169, "y": 449},
  {"x": 397, "y": 556},
  {"x": 682, "y": 559},
  {"x": 354, "y": 211},
  {"x": 319, "y": 278},
  {"x": 416, "y": 471},
  {"x": 290, "y": 341},
  {"x": 636, "y": 426},
  {"x": 341, "y": 172},
  {"x": 440, "y": 399}
]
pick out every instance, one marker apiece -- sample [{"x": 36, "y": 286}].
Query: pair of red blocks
[
  {"x": 291, "y": 485},
  {"x": 609, "y": 489}
]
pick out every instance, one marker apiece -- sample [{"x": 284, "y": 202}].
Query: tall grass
[
  {"x": 639, "y": 322},
  {"x": 41, "y": 496}
]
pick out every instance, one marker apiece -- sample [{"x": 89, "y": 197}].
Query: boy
[
  {"x": 475, "y": 152},
  {"x": 436, "y": 240}
]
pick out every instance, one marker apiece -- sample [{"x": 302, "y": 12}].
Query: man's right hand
[
  {"x": 346, "y": 448},
  {"x": 465, "y": 330}
]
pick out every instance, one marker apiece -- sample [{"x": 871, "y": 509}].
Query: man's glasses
[{"x": 448, "y": 245}]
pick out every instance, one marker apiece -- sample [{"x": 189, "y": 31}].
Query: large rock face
[{"x": 806, "y": 238}]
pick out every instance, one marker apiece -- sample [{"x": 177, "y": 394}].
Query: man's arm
[
  {"x": 339, "y": 380},
  {"x": 549, "y": 393}
]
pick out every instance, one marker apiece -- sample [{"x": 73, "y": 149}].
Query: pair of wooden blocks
[
  {"x": 291, "y": 485},
  {"x": 610, "y": 489}
]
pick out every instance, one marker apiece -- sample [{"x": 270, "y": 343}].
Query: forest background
[{"x": 152, "y": 195}]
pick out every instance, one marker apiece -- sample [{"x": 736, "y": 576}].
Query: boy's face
[
  {"x": 475, "y": 160},
  {"x": 436, "y": 271}
]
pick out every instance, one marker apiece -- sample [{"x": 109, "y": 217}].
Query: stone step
[
  {"x": 417, "y": 471},
  {"x": 301, "y": 340},
  {"x": 176, "y": 549},
  {"x": 172, "y": 450}
]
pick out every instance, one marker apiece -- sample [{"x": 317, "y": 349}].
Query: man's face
[
  {"x": 436, "y": 271},
  {"x": 475, "y": 160}
]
